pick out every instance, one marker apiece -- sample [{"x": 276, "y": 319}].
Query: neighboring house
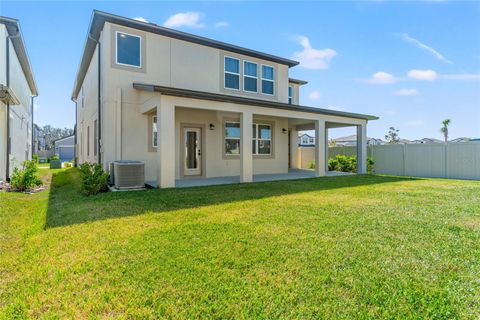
[
  {"x": 426, "y": 140},
  {"x": 17, "y": 89},
  {"x": 65, "y": 148},
  {"x": 352, "y": 141},
  {"x": 463, "y": 139},
  {"x": 185, "y": 105},
  {"x": 306, "y": 140}
]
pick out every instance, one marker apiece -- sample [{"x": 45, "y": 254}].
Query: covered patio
[{"x": 292, "y": 174}]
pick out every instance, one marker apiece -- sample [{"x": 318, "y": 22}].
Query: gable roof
[
  {"x": 13, "y": 28},
  {"x": 99, "y": 18},
  {"x": 187, "y": 93}
]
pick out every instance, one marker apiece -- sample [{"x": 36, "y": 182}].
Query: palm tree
[{"x": 444, "y": 129}]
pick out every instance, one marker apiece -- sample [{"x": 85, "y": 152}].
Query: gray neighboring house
[
  {"x": 352, "y": 141},
  {"x": 65, "y": 148},
  {"x": 306, "y": 140}
]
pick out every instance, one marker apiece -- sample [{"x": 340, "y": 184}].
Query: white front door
[{"x": 193, "y": 151}]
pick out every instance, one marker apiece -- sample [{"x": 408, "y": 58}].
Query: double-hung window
[
  {"x": 232, "y": 138},
  {"x": 250, "y": 76},
  {"x": 154, "y": 132},
  {"x": 231, "y": 73},
  {"x": 290, "y": 94},
  {"x": 262, "y": 139},
  {"x": 268, "y": 80},
  {"x": 128, "y": 50}
]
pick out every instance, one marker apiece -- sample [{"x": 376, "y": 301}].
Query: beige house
[
  {"x": 186, "y": 106},
  {"x": 17, "y": 89}
]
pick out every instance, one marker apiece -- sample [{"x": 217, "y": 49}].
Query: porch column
[
  {"x": 246, "y": 162},
  {"x": 320, "y": 157},
  {"x": 294, "y": 157},
  {"x": 362, "y": 148},
  {"x": 166, "y": 145},
  {"x": 326, "y": 149}
]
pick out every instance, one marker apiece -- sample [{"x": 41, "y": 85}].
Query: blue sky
[{"x": 413, "y": 64}]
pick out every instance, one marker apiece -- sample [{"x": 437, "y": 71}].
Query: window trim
[
  {"x": 271, "y": 155},
  {"x": 273, "y": 81},
  {"x": 229, "y": 72},
  {"x": 116, "y": 50},
  {"x": 225, "y": 138},
  {"x": 257, "y": 139},
  {"x": 290, "y": 94},
  {"x": 248, "y": 76}
]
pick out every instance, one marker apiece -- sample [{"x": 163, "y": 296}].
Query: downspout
[
  {"x": 33, "y": 126},
  {"x": 9, "y": 147},
  {"x": 99, "y": 110}
]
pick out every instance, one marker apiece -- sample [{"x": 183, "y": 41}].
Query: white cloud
[
  {"x": 142, "y": 19},
  {"x": 406, "y": 92},
  {"x": 425, "y": 75},
  {"x": 423, "y": 46},
  {"x": 184, "y": 19},
  {"x": 310, "y": 58},
  {"x": 314, "y": 95},
  {"x": 462, "y": 76},
  {"x": 416, "y": 123},
  {"x": 382, "y": 78},
  {"x": 221, "y": 24}
]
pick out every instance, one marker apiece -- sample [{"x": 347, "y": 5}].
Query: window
[
  {"x": 95, "y": 137},
  {"x": 268, "y": 80},
  {"x": 310, "y": 139},
  {"x": 232, "y": 73},
  {"x": 154, "y": 132},
  {"x": 262, "y": 138},
  {"x": 290, "y": 94},
  {"x": 88, "y": 141},
  {"x": 232, "y": 137},
  {"x": 250, "y": 76},
  {"x": 128, "y": 50}
]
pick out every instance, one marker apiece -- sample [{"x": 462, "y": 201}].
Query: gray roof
[
  {"x": 99, "y": 18},
  {"x": 13, "y": 28},
  {"x": 177, "y": 92}
]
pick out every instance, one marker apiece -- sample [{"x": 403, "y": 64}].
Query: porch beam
[
  {"x": 320, "y": 156},
  {"x": 165, "y": 145},
  {"x": 246, "y": 159},
  {"x": 362, "y": 148}
]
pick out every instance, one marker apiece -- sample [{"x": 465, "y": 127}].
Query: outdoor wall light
[
  {"x": 212, "y": 126},
  {"x": 284, "y": 131}
]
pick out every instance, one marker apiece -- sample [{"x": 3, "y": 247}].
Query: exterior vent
[{"x": 129, "y": 174}]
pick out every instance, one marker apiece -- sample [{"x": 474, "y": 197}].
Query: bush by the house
[
  {"x": 94, "y": 179},
  {"x": 35, "y": 158},
  {"x": 25, "y": 178},
  {"x": 311, "y": 165},
  {"x": 54, "y": 157},
  {"x": 67, "y": 164},
  {"x": 347, "y": 164}
]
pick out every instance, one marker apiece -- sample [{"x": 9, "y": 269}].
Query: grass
[{"x": 338, "y": 247}]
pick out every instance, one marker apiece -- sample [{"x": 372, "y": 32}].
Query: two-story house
[
  {"x": 17, "y": 89},
  {"x": 189, "y": 106}
]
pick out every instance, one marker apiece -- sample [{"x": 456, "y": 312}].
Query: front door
[{"x": 193, "y": 151}]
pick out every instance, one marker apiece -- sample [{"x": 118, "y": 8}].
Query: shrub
[
  {"x": 311, "y": 165},
  {"x": 347, "y": 164},
  {"x": 94, "y": 179},
  {"x": 25, "y": 178},
  {"x": 35, "y": 158},
  {"x": 67, "y": 164},
  {"x": 54, "y": 157}
]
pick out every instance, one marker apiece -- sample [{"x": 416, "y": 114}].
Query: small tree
[
  {"x": 332, "y": 143},
  {"x": 444, "y": 128},
  {"x": 392, "y": 136}
]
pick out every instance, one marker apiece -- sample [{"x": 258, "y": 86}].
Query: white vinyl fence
[{"x": 436, "y": 160}]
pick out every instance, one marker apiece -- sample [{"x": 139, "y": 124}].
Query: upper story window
[
  {"x": 268, "y": 80},
  {"x": 128, "y": 49},
  {"x": 250, "y": 76},
  {"x": 290, "y": 94},
  {"x": 154, "y": 132},
  {"x": 232, "y": 73}
]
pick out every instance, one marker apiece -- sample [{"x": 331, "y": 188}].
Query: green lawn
[{"x": 338, "y": 247}]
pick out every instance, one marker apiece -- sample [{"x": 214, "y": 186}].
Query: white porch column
[
  {"x": 320, "y": 156},
  {"x": 326, "y": 149},
  {"x": 362, "y": 148},
  {"x": 246, "y": 161},
  {"x": 166, "y": 145}
]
